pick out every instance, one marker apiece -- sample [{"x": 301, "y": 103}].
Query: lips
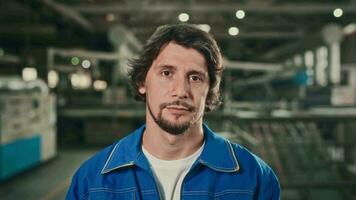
[{"x": 178, "y": 108}]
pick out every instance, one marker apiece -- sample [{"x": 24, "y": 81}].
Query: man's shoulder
[
  {"x": 95, "y": 164},
  {"x": 254, "y": 166},
  {"x": 246, "y": 160},
  {"x": 250, "y": 160}
]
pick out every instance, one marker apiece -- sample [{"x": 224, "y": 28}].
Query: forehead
[{"x": 180, "y": 56}]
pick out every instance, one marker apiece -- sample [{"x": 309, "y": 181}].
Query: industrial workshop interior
[{"x": 288, "y": 89}]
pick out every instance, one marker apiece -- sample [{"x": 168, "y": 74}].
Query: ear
[{"x": 142, "y": 89}]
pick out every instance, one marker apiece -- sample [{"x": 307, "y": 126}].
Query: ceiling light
[
  {"x": 338, "y": 12},
  {"x": 29, "y": 74},
  {"x": 53, "y": 79},
  {"x": 100, "y": 85},
  {"x": 183, "y": 17},
  {"x": 233, "y": 31},
  {"x": 81, "y": 80},
  {"x": 75, "y": 60},
  {"x": 240, "y": 14},
  {"x": 86, "y": 64}
]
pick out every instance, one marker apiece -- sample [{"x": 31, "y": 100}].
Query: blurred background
[{"x": 289, "y": 89}]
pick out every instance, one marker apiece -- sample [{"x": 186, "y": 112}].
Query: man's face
[{"x": 176, "y": 87}]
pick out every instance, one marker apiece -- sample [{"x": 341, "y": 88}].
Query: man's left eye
[
  {"x": 166, "y": 73},
  {"x": 195, "y": 78}
]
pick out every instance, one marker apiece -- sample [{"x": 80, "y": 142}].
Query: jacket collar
[{"x": 217, "y": 154}]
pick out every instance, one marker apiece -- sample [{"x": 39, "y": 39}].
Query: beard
[{"x": 166, "y": 125}]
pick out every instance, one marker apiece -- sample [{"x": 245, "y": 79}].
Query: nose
[{"x": 181, "y": 88}]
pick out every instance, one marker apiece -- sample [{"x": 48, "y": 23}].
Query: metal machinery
[
  {"x": 27, "y": 125},
  {"x": 299, "y": 119},
  {"x": 100, "y": 116},
  {"x": 310, "y": 160}
]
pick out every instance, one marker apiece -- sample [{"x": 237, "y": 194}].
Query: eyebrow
[
  {"x": 162, "y": 66},
  {"x": 197, "y": 72},
  {"x": 173, "y": 67}
]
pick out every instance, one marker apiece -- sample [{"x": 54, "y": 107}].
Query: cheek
[
  {"x": 202, "y": 95},
  {"x": 155, "y": 95},
  {"x": 205, "y": 92},
  {"x": 158, "y": 87}
]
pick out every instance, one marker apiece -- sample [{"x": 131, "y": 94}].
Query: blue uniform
[{"x": 223, "y": 171}]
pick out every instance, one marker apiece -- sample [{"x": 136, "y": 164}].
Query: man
[{"x": 175, "y": 156}]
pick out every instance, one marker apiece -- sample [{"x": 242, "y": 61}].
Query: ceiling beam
[
  {"x": 110, "y": 56},
  {"x": 260, "y": 35},
  {"x": 252, "y": 66},
  {"x": 25, "y": 29},
  {"x": 296, "y": 9},
  {"x": 140, "y": 22},
  {"x": 70, "y": 13},
  {"x": 223, "y": 34},
  {"x": 10, "y": 59}
]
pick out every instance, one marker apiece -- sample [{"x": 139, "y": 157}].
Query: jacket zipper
[
  {"x": 156, "y": 184},
  {"x": 183, "y": 182}
]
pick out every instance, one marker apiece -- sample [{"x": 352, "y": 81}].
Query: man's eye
[
  {"x": 195, "y": 78},
  {"x": 166, "y": 73}
]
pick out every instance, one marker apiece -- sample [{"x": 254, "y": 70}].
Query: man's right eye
[{"x": 166, "y": 73}]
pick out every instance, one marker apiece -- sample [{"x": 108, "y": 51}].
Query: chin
[{"x": 179, "y": 119}]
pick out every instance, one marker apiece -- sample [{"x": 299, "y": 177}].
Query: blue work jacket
[{"x": 223, "y": 171}]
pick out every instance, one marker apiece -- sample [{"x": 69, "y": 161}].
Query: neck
[{"x": 167, "y": 146}]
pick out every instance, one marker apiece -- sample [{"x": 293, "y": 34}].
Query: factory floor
[{"x": 48, "y": 181}]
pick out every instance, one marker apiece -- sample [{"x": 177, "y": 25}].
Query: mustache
[{"x": 178, "y": 103}]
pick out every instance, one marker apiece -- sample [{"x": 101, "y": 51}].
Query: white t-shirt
[{"x": 169, "y": 174}]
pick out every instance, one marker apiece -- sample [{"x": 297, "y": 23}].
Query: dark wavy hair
[{"x": 188, "y": 36}]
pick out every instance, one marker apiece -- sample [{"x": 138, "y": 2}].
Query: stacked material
[
  {"x": 27, "y": 127},
  {"x": 298, "y": 153},
  {"x": 310, "y": 155}
]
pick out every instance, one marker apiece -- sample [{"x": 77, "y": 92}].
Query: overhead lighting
[
  {"x": 183, "y": 17},
  {"x": 29, "y": 74},
  {"x": 338, "y": 12},
  {"x": 240, "y": 14},
  {"x": 204, "y": 27},
  {"x": 53, "y": 79},
  {"x": 110, "y": 17},
  {"x": 75, "y": 60},
  {"x": 100, "y": 85},
  {"x": 80, "y": 80},
  {"x": 233, "y": 31},
  {"x": 86, "y": 64},
  {"x": 350, "y": 29}
]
